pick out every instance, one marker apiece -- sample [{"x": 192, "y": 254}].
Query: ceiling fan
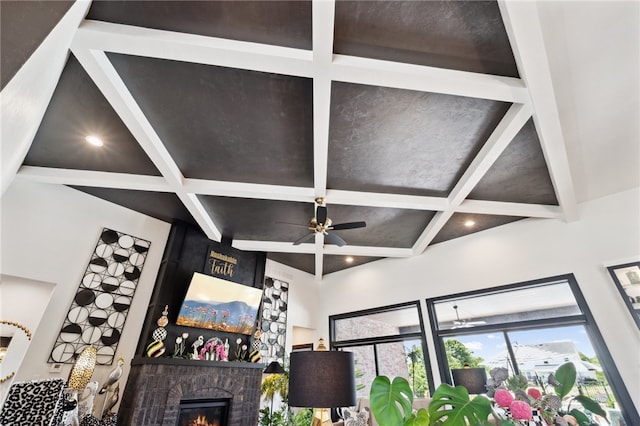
[
  {"x": 458, "y": 323},
  {"x": 321, "y": 224}
]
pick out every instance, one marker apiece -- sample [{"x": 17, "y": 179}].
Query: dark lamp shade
[
  {"x": 274, "y": 368},
  {"x": 322, "y": 379},
  {"x": 473, "y": 379}
]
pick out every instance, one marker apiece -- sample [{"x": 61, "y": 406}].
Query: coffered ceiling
[{"x": 415, "y": 117}]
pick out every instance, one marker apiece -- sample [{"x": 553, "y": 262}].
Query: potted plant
[{"x": 392, "y": 403}]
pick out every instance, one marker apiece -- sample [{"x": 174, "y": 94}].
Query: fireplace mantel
[
  {"x": 157, "y": 385},
  {"x": 195, "y": 363}
]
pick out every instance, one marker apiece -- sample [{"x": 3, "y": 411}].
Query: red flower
[
  {"x": 520, "y": 410},
  {"x": 503, "y": 397},
  {"x": 534, "y": 393}
]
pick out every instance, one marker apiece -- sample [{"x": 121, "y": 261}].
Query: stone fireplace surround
[{"x": 157, "y": 385}]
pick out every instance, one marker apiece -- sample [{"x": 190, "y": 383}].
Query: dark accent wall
[{"x": 187, "y": 251}]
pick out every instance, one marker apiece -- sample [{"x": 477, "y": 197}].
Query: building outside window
[{"x": 385, "y": 341}]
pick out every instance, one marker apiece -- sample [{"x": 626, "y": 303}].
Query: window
[
  {"x": 530, "y": 329},
  {"x": 385, "y": 341}
]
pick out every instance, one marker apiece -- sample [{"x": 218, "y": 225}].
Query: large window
[
  {"x": 385, "y": 341},
  {"x": 530, "y": 329}
]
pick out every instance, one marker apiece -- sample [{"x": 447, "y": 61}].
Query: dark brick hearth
[{"x": 157, "y": 385}]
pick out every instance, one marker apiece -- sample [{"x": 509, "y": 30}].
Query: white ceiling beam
[
  {"x": 114, "y": 90},
  {"x": 502, "y": 135},
  {"x": 146, "y": 42},
  {"x": 273, "y": 246},
  {"x": 377, "y": 199},
  {"x": 439, "y": 220},
  {"x": 200, "y": 214},
  {"x": 94, "y": 179},
  {"x": 522, "y": 23},
  {"x": 323, "y": 15},
  {"x": 376, "y": 72},
  {"x": 510, "y": 209},
  {"x": 25, "y": 98},
  {"x": 249, "y": 190}
]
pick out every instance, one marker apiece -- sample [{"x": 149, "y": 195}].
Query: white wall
[
  {"x": 608, "y": 229},
  {"x": 48, "y": 233}
]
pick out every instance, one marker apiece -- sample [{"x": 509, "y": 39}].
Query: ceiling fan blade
[
  {"x": 334, "y": 239},
  {"x": 292, "y": 224},
  {"x": 348, "y": 225},
  {"x": 305, "y": 239},
  {"x": 321, "y": 215}
]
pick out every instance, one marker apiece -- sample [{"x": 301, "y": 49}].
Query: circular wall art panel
[
  {"x": 101, "y": 303},
  {"x": 274, "y": 320}
]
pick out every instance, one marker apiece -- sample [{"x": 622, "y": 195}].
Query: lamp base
[{"x": 321, "y": 417}]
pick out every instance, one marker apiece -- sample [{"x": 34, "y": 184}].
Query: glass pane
[
  {"x": 389, "y": 323},
  {"x": 475, "y": 350},
  {"x": 404, "y": 359},
  {"x": 531, "y": 303},
  {"x": 365, "y": 368},
  {"x": 540, "y": 352}
]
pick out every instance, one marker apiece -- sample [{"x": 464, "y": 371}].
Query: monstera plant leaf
[
  {"x": 591, "y": 405},
  {"x": 453, "y": 404},
  {"x": 566, "y": 375},
  {"x": 391, "y": 402},
  {"x": 420, "y": 418}
]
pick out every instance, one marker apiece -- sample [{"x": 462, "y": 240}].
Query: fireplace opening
[{"x": 204, "y": 412}]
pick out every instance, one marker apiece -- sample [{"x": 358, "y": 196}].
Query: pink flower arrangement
[
  {"x": 520, "y": 410},
  {"x": 503, "y": 397},
  {"x": 534, "y": 393}
]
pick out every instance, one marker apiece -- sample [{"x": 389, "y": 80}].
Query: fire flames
[{"x": 203, "y": 421}]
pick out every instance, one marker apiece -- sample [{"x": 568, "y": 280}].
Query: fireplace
[
  {"x": 159, "y": 389},
  {"x": 203, "y": 412}
]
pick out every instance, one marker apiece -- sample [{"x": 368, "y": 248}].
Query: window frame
[
  {"x": 627, "y": 407},
  {"x": 373, "y": 341}
]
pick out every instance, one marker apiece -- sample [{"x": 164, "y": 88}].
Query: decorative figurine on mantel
[
  {"x": 196, "y": 346},
  {"x": 179, "y": 347},
  {"x": 156, "y": 348}
]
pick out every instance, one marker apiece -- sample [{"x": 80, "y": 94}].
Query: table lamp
[
  {"x": 473, "y": 379},
  {"x": 322, "y": 380}
]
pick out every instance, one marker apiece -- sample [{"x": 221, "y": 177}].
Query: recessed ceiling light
[
  {"x": 469, "y": 223},
  {"x": 94, "y": 140},
  {"x": 348, "y": 259}
]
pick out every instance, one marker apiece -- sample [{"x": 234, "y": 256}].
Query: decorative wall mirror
[
  {"x": 627, "y": 278},
  {"x": 17, "y": 336}
]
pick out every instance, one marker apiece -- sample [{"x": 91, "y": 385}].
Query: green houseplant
[{"x": 392, "y": 404}]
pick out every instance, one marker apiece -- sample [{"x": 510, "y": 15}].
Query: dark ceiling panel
[
  {"x": 520, "y": 174},
  {"x": 461, "y": 35},
  {"x": 387, "y": 227},
  {"x": 301, "y": 262},
  {"x": 402, "y": 141},
  {"x": 455, "y": 227},
  {"x": 333, "y": 263},
  {"x": 163, "y": 206},
  {"x": 78, "y": 109},
  {"x": 226, "y": 124},
  {"x": 23, "y": 26},
  {"x": 282, "y": 23},
  {"x": 250, "y": 219}
]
